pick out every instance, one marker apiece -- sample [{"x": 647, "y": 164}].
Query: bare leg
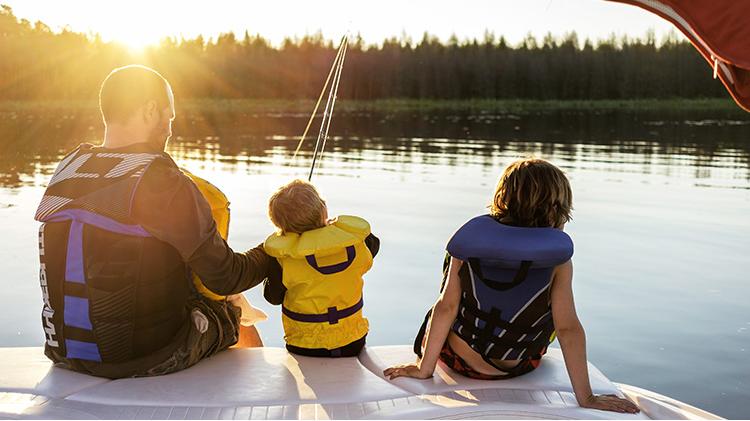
[{"x": 249, "y": 338}]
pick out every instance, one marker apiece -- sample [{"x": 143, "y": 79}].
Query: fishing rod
[
  {"x": 335, "y": 72},
  {"x": 332, "y": 95},
  {"x": 317, "y": 104}
]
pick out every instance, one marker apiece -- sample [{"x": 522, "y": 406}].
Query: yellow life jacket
[
  {"x": 220, "y": 212},
  {"x": 322, "y": 272}
]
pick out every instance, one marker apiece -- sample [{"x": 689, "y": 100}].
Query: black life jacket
[
  {"x": 505, "y": 312},
  {"x": 112, "y": 292}
]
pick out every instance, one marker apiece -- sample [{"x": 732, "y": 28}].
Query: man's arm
[
  {"x": 226, "y": 272},
  {"x": 170, "y": 207}
]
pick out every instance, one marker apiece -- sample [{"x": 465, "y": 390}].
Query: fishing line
[{"x": 335, "y": 89}]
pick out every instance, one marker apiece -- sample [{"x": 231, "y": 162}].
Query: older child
[
  {"x": 322, "y": 265},
  {"x": 508, "y": 289}
]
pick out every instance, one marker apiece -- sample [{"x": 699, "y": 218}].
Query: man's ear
[{"x": 150, "y": 111}]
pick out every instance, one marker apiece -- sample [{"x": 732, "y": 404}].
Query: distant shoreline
[{"x": 522, "y": 106}]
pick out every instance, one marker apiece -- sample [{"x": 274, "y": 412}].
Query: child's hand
[
  {"x": 407, "y": 370},
  {"x": 609, "y": 403}
]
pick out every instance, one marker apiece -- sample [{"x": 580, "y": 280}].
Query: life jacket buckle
[{"x": 333, "y": 315}]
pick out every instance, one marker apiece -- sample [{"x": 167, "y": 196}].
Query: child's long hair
[
  {"x": 532, "y": 193},
  {"x": 296, "y": 207}
]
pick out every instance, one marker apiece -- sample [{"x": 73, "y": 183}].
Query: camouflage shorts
[{"x": 215, "y": 327}]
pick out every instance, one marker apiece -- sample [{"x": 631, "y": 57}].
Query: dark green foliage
[{"x": 39, "y": 64}]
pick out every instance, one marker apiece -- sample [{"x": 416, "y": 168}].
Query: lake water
[{"x": 661, "y": 221}]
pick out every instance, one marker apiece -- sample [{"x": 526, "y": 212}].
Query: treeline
[{"x": 37, "y": 63}]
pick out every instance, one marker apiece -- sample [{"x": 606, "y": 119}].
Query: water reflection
[
  {"x": 660, "y": 224},
  {"x": 699, "y": 147}
]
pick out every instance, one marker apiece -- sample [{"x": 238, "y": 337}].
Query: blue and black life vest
[
  {"x": 505, "y": 312},
  {"x": 112, "y": 292}
]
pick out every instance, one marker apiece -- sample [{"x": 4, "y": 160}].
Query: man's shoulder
[
  {"x": 83, "y": 148},
  {"x": 73, "y": 152},
  {"x": 163, "y": 175}
]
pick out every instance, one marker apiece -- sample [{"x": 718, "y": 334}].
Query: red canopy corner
[{"x": 720, "y": 30}]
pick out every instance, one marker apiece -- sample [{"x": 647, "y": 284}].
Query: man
[{"x": 123, "y": 229}]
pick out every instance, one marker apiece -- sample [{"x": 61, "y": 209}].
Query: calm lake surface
[{"x": 661, "y": 220}]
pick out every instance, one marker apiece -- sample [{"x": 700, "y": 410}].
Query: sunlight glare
[
  {"x": 135, "y": 40},
  {"x": 140, "y": 23},
  {"x": 137, "y": 43},
  {"x": 134, "y": 26}
]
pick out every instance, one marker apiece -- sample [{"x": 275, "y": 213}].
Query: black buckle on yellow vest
[{"x": 333, "y": 315}]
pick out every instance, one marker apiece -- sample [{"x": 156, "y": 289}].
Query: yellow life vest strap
[{"x": 332, "y": 316}]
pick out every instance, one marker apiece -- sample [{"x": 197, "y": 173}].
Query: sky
[{"x": 138, "y": 22}]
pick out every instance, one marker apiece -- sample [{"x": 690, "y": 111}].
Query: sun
[
  {"x": 133, "y": 27},
  {"x": 134, "y": 40}
]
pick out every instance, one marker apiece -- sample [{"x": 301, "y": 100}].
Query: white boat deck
[{"x": 269, "y": 383}]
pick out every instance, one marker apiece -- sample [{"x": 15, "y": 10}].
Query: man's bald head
[{"x": 128, "y": 88}]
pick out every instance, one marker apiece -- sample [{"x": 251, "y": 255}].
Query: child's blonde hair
[
  {"x": 532, "y": 193},
  {"x": 297, "y": 207}
]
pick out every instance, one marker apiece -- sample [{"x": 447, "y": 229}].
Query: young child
[
  {"x": 508, "y": 291},
  {"x": 322, "y": 265}
]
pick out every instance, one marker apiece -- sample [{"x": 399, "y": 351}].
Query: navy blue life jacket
[
  {"x": 505, "y": 308},
  {"x": 505, "y": 311},
  {"x": 112, "y": 292}
]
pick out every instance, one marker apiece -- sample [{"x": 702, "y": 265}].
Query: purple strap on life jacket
[
  {"x": 332, "y": 316},
  {"x": 331, "y": 269},
  {"x": 76, "y": 309},
  {"x": 76, "y": 312},
  {"x": 82, "y": 350},
  {"x": 99, "y": 221},
  {"x": 74, "y": 258}
]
